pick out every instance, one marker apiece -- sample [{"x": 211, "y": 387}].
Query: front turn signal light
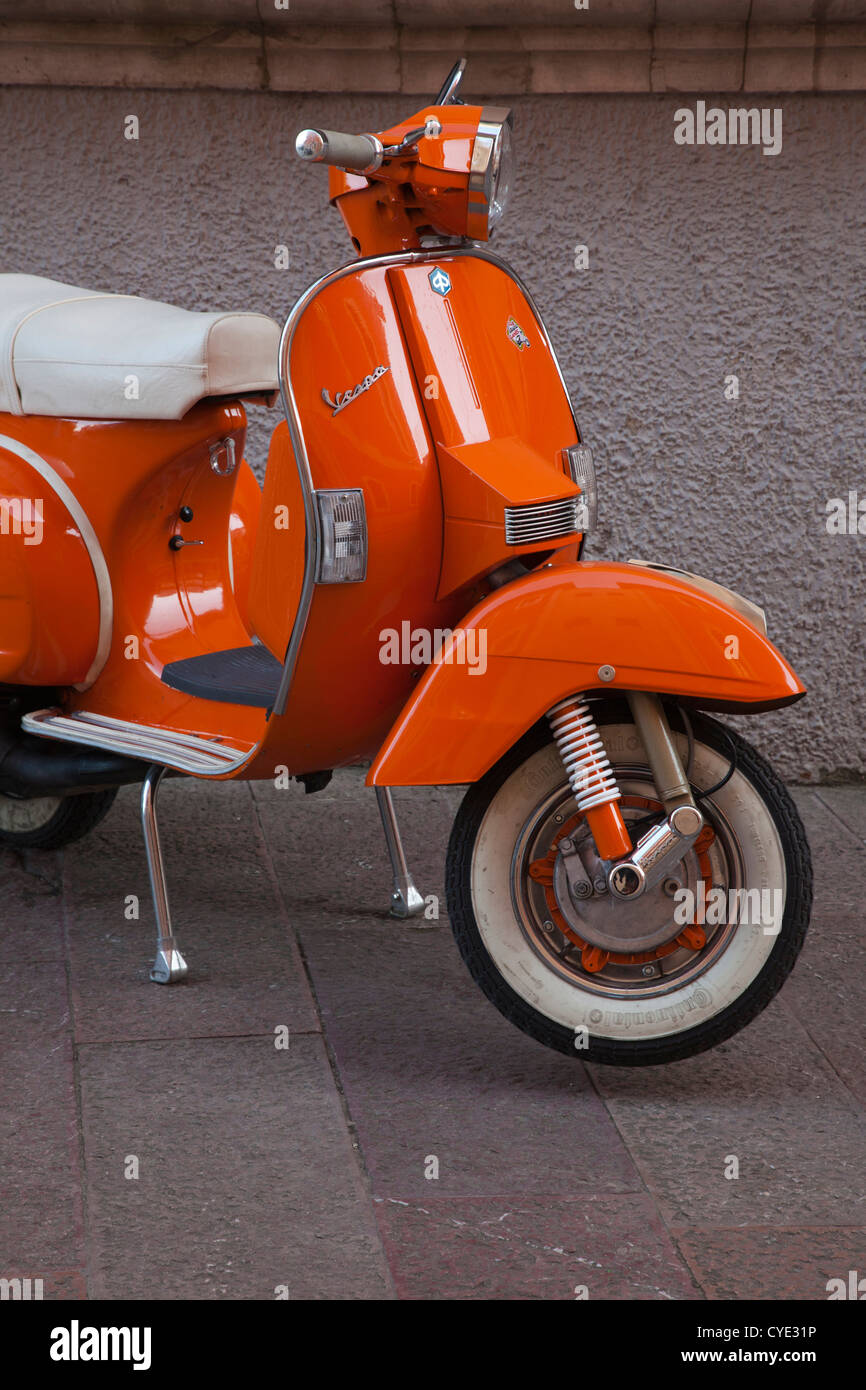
[
  {"x": 342, "y": 536},
  {"x": 580, "y": 467}
]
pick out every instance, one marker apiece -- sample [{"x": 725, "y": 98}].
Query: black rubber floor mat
[{"x": 241, "y": 676}]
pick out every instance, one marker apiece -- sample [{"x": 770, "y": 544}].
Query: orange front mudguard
[{"x": 543, "y": 638}]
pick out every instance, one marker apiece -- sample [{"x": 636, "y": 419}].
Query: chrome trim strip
[
  {"x": 175, "y": 736},
  {"x": 186, "y": 752},
  {"x": 536, "y": 510},
  {"x": 92, "y": 546},
  {"x": 312, "y": 538},
  {"x": 542, "y": 522},
  {"x": 68, "y": 728}
]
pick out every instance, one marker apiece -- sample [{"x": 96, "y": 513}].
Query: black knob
[
  {"x": 186, "y": 513},
  {"x": 176, "y": 543}
]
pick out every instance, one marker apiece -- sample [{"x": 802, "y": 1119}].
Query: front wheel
[{"x": 717, "y": 938}]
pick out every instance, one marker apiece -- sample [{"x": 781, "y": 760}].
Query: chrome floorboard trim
[{"x": 186, "y": 752}]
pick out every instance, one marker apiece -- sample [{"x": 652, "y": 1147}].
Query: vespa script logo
[{"x": 345, "y": 398}]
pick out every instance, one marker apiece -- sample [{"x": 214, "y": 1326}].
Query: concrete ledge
[
  {"x": 387, "y": 57},
  {"x": 418, "y": 14}
]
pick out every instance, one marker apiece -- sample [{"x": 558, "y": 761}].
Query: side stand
[
  {"x": 406, "y": 901},
  {"x": 169, "y": 965}
]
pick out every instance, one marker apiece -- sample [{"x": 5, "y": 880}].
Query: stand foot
[
  {"x": 406, "y": 901},
  {"x": 168, "y": 967}
]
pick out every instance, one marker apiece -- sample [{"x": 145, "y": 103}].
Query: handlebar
[{"x": 360, "y": 152}]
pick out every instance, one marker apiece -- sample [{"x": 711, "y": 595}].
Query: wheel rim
[
  {"x": 688, "y": 991},
  {"x": 578, "y": 940},
  {"x": 25, "y": 815}
]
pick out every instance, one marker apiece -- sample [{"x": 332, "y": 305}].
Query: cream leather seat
[{"x": 83, "y": 354}]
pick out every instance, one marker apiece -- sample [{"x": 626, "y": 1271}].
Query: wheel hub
[
  {"x": 20, "y": 815},
  {"x": 616, "y": 924},
  {"x": 613, "y": 929}
]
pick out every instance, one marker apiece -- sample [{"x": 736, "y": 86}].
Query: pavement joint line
[
  {"x": 577, "y": 1197},
  {"x": 639, "y": 1169},
  {"x": 193, "y": 1037},
  {"x": 840, "y": 818},
  {"x": 83, "y": 1210},
  {"x": 769, "y": 1226},
  {"x": 701, "y": 1282},
  {"x": 787, "y": 1005},
  {"x": 352, "y": 1133}
]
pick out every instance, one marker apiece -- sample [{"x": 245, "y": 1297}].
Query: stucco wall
[{"x": 703, "y": 262}]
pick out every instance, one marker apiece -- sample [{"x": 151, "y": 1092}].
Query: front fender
[{"x": 545, "y": 637}]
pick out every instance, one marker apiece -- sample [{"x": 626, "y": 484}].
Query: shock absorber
[{"x": 590, "y": 775}]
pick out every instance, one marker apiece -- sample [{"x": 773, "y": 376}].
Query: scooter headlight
[{"x": 490, "y": 172}]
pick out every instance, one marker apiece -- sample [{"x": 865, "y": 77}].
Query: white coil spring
[{"x": 590, "y": 774}]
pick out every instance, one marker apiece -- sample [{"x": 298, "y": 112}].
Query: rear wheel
[
  {"x": 629, "y": 983},
  {"x": 49, "y": 822}
]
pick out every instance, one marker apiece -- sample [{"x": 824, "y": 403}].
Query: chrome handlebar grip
[{"x": 362, "y": 153}]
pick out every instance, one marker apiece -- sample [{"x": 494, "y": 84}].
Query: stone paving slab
[
  {"x": 329, "y": 852},
  {"x": 838, "y": 853},
  {"x": 49, "y": 1285},
  {"x": 827, "y": 989},
  {"x": 306, "y": 1167},
  {"x": 768, "y": 1098},
  {"x": 849, "y": 804},
  {"x": 533, "y": 1248},
  {"x": 244, "y": 963},
  {"x": 31, "y": 893},
  {"x": 773, "y": 1263},
  {"x": 40, "y": 1177},
  {"x": 428, "y": 1066},
  {"x": 247, "y": 1176}
]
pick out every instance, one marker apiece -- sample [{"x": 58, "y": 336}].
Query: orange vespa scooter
[{"x": 628, "y": 881}]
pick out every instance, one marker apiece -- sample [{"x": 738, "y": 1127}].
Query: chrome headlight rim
[{"x": 486, "y": 166}]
